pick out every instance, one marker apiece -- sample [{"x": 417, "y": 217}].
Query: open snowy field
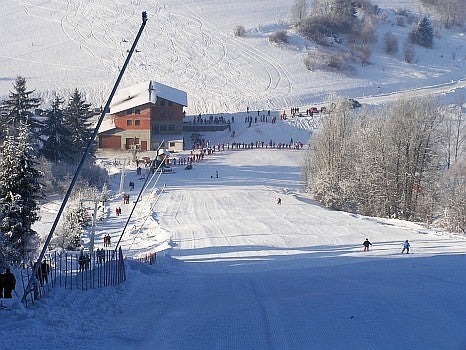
[{"x": 61, "y": 45}]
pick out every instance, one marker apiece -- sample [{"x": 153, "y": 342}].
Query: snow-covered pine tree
[
  {"x": 76, "y": 116},
  {"x": 69, "y": 235},
  {"x": 20, "y": 190},
  {"x": 423, "y": 33},
  {"x": 58, "y": 146},
  {"x": 19, "y": 107}
]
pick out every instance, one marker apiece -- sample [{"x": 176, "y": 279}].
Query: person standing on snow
[
  {"x": 366, "y": 245},
  {"x": 9, "y": 283},
  {"x": 1, "y": 282},
  {"x": 405, "y": 247}
]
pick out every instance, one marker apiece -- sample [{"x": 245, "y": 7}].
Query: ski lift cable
[
  {"x": 146, "y": 182},
  {"x": 144, "y": 212},
  {"x": 146, "y": 217},
  {"x": 144, "y": 189}
]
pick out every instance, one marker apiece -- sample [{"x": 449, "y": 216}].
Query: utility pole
[
  {"x": 122, "y": 166},
  {"x": 94, "y": 221},
  {"x": 122, "y": 179},
  {"x": 90, "y": 145}
]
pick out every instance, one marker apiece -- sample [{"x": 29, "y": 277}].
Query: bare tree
[
  {"x": 368, "y": 30},
  {"x": 279, "y": 37},
  {"x": 454, "y": 201},
  {"x": 390, "y": 43},
  {"x": 408, "y": 51},
  {"x": 450, "y": 12},
  {"x": 240, "y": 31},
  {"x": 328, "y": 154},
  {"x": 454, "y": 135},
  {"x": 298, "y": 11},
  {"x": 383, "y": 163}
]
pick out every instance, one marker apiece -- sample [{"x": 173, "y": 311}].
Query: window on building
[
  {"x": 137, "y": 122},
  {"x": 162, "y": 102},
  {"x": 163, "y": 127},
  {"x": 129, "y": 122},
  {"x": 129, "y": 111},
  {"x": 170, "y": 103},
  {"x": 172, "y": 144},
  {"x": 171, "y": 127},
  {"x": 137, "y": 111}
]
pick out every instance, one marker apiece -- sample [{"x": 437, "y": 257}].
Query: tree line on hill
[
  {"x": 346, "y": 30},
  {"x": 405, "y": 161},
  {"x": 39, "y": 154}
]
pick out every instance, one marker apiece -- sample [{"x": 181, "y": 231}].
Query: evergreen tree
[
  {"x": 58, "y": 146},
  {"x": 71, "y": 230},
  {"x": 19, "y": 193},
  {"x": 19, "y": 108},
  {"x": 423, "y": 33},
  {"x": 76, "y": 118}
]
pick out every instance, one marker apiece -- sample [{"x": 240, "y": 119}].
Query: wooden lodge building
[{"x": 145, "y": 116}]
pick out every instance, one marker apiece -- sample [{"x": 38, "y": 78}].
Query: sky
[{"x": 235, "y": 270}]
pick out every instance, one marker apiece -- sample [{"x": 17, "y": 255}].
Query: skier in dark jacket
[
  {"x": 366, "y": 245},
  {"x": 9, "y": 283},
  {"x": 405, "y": 247},
  {"x": 44, "y": 272}
]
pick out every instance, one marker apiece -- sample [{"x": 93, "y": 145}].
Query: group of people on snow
[
  {"x": 100, "y": 255},
  {"x": 406, "y": 246},
  {"x": 107, "y": 240},
  {"x": 84, "y": 261}
]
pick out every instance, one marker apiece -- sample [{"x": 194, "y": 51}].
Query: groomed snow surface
[{"x": 246, "y": 273}]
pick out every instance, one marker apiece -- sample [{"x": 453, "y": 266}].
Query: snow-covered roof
[
  {"x": 172, "y": 137},
  {"x": 146, "y": 92},
  {"x": 107, "y": 124}
]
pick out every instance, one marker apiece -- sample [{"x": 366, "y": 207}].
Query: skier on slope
[
  {"x": 405, "y": 247},
  {"x": 366, "y": 245}
]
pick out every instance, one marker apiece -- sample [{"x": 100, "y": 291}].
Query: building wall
[
  {"x": 128, "y": 138},
  {"x": 137, "y": 118},
  {"x": 167, "y": 119},
  {"x": 172, "y": 146}
]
